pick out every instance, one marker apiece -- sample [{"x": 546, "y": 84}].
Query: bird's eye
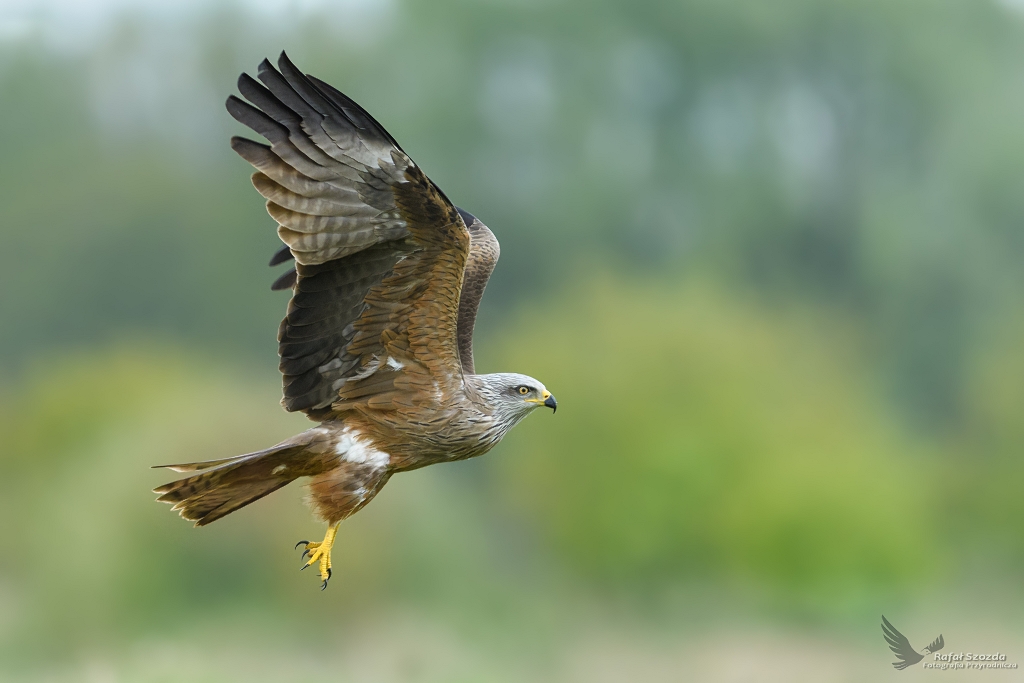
[{"x": 524, "y": 390}]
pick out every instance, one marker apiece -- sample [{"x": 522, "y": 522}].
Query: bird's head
[{"x": 514, "y": 396}]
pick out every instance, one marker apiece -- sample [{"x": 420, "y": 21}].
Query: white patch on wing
[
  {"x": 278, "y": 470},
  {"x": 327, "y": 367},
  {"x": 394, "y": 364},
  {"x": 356, "y": 450},
  {"x": 370, "y": 368}
]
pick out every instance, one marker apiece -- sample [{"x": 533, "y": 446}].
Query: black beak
[{"x": 551, "y": 403}]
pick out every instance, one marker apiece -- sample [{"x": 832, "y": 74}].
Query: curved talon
[
  {"x": 303, "y": 567},
  {"x": 300, "y": 543},
  {"x": 320, "y": 553}
]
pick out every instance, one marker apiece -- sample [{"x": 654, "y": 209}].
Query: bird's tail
[{"x": 223, "y": 486}]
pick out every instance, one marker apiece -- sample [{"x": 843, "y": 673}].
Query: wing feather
[
  {"x": 483, "y": 256},
  {"x": 286, "y": 281},
  {"x": 379, "y": 250},
  {"x": 281, "y": 255}
]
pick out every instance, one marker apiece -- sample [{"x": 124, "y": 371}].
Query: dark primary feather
[
  {"x": 900, "y": 646},
  {"x": 353, "y": 111},
  {"x": 281, "y": 255},
  {"x": 285, "y": 281}
]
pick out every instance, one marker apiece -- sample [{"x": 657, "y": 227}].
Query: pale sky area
[
  {"x": 156, "y": 84},
  {"x": 68, "y": 25}
]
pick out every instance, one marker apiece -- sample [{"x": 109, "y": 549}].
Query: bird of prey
[
  {"x": 904, "y": 651},
  {"x": 376, "y": 345}
]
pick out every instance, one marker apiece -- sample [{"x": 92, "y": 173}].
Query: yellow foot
[{"x": 320, "y": 552}]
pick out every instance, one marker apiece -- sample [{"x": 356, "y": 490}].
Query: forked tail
[{"x": 223, "y": 486}]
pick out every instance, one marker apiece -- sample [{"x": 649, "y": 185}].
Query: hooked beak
[
  {"x": 546, "y": 399},
  {"x": 550, "y": 402}
]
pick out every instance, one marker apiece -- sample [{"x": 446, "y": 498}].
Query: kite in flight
[{"x": 376, "y": 345}]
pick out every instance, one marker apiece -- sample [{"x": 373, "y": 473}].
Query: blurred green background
[{"x": 766, "y": 254}]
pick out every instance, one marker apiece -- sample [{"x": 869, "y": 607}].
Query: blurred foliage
[
  {"x": 734, "y": 443},
  {"x": 76, "y": 492},
  {"x": 767, "y": 255}
]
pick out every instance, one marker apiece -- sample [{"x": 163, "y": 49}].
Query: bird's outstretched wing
[
  {"x": 936, "y": 644},
  {"x": 483, "y": 256},
  {"x": 899, "y": 644},
  {"x": 380, "y": 251}
]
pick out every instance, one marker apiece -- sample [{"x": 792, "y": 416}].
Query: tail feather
[
  {"x": 220, "y": 502},
  {"x": 225, "y": 485},
  {"x": 207, "y": 464}
]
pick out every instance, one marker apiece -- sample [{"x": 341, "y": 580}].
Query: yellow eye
[{"x": 524, "y": 390}]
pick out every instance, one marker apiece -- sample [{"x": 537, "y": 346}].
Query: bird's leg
[{"x": 321, "y": 552}]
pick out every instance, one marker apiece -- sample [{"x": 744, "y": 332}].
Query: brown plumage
[{"x": 376, "y": 344}]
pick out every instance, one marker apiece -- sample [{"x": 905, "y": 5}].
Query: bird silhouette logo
[{"x": 904, "y": 651}]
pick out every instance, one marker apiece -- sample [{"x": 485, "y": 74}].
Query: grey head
[{"x": 511, "y": 396}]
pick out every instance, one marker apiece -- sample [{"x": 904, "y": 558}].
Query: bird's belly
[{"x": 427, "y": 444}]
